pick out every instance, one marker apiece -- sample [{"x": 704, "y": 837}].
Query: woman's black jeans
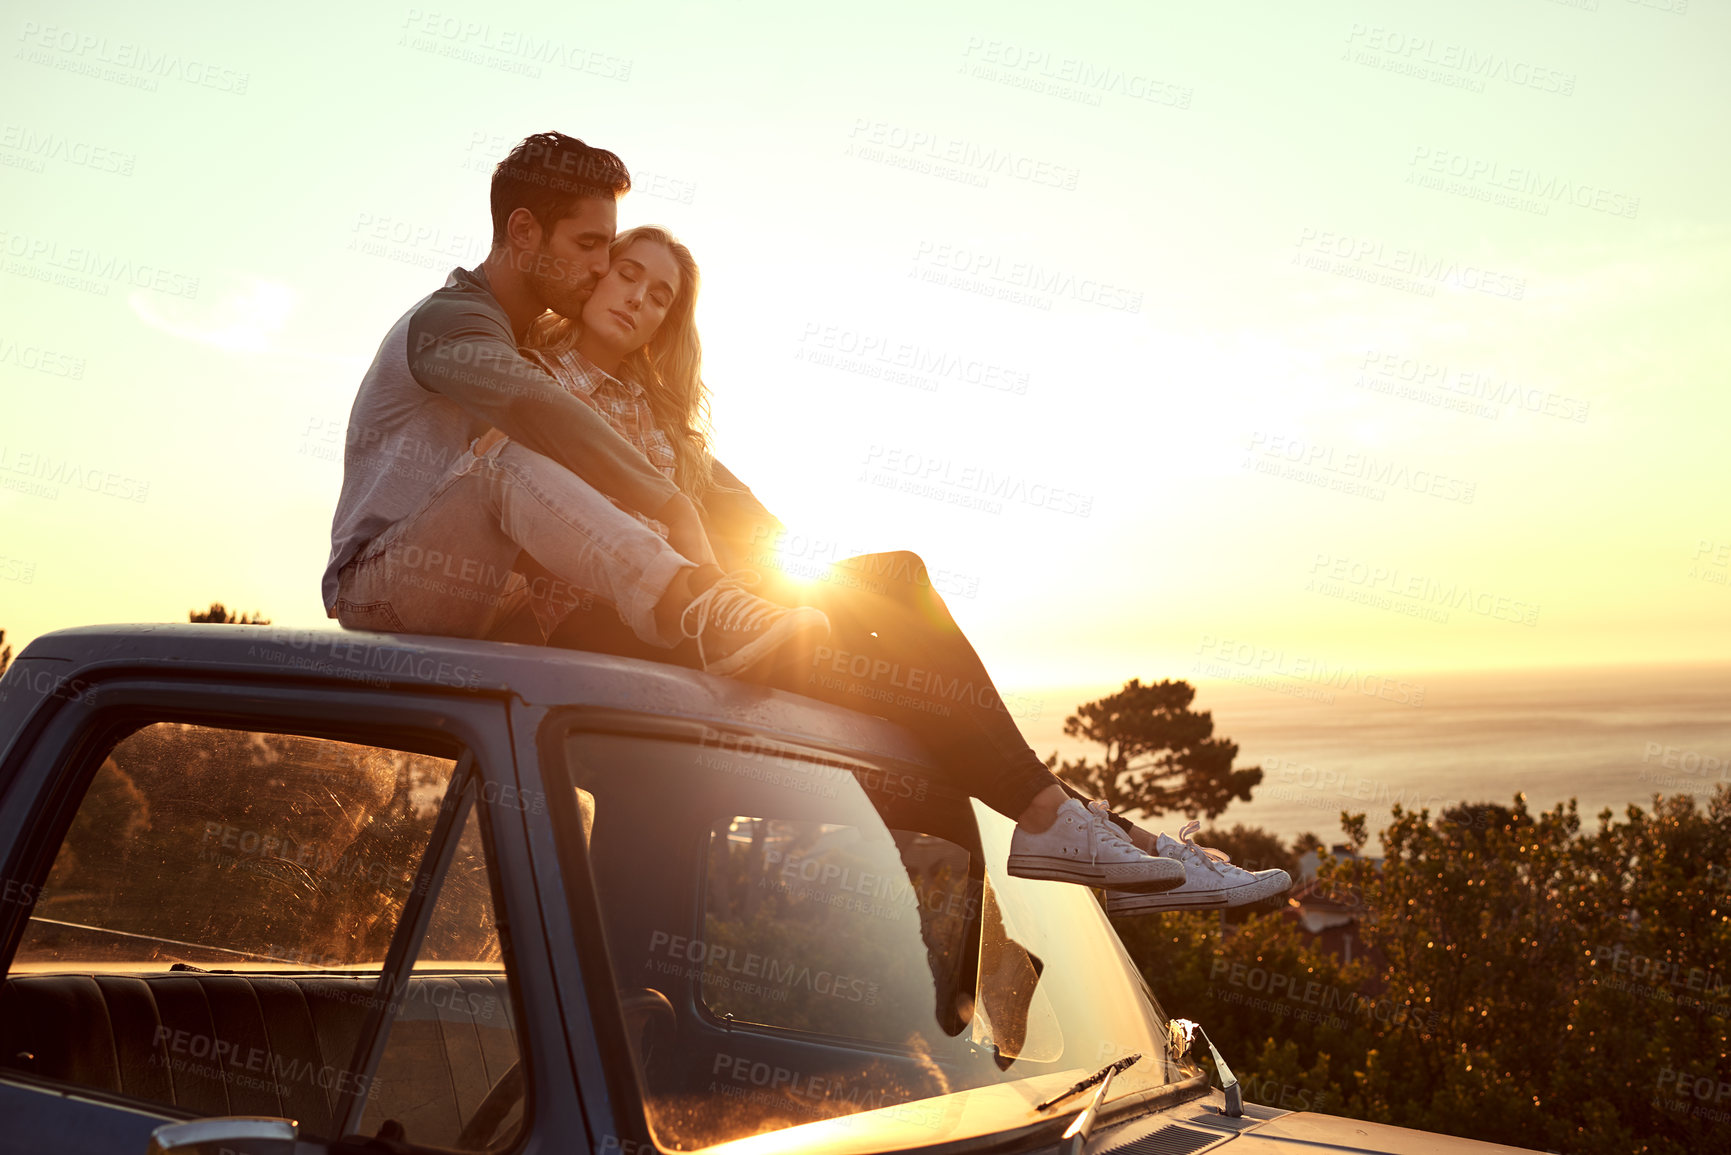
[{"x": 894, "y": 650}]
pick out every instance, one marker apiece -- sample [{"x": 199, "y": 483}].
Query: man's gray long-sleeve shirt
[{"x": 447, "y": 371}]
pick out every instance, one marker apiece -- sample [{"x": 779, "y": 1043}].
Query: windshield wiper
[
  {"x": 1075, "y": 1138},
  {"x": 1105, "y": 1072}
]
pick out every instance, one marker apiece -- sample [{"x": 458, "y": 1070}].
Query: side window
[
  {"x": 222, "y": 848},
  {"x": 214, "y": 928}
]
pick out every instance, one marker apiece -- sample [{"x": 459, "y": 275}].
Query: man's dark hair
[{"x": 548, "y": 173}]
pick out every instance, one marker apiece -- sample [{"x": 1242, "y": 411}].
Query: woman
[{"x": 894, "y": 649}]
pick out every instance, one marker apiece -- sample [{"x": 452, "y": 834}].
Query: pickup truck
[{"x": 271, "y": 890}]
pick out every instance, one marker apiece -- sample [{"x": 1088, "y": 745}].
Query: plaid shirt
[{"x": 624, "y": 404}]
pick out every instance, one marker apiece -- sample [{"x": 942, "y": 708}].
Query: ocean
[{"x": 1608, "y": 737}]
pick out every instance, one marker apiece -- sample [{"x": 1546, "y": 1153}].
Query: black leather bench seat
[{"x": 264, "y": 1044}]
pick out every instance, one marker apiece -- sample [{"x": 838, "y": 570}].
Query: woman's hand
[
  {"x": 486, "y": 441},
  {"x": 685, "y": 530}
]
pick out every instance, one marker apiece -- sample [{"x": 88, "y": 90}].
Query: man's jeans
[{"x": 450, "y": 567}]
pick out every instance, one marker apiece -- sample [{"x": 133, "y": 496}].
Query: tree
[
  {"x": 220, "y": 615},
  {"x": 1160, "y": 754},
  {"x": 1529, "y": 981}
]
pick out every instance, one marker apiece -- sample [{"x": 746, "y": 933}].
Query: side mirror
[{"x": 229, "y": 1134}]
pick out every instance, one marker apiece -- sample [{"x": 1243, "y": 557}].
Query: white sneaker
[
  {"x": 1211, "y": 881},
  {"x": 1084, "y": 846}
]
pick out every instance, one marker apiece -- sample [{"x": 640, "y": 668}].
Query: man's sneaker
[
  {"x": 735, "y": 629},
  {"x": 1211, "y": 881},
  {"x": 1084, "y": 846}
]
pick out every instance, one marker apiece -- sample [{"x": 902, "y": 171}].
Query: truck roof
[{"x": 537, "y": 675}]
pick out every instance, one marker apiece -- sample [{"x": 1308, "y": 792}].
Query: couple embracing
[{"x": 527, "y": 462}]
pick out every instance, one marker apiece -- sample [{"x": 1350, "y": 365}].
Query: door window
[
  {"x": 221, "y": 848},
  {"x": 212, "y": 933}
]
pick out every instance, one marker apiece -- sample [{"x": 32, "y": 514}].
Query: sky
[{"x": 1226, "y": 341}]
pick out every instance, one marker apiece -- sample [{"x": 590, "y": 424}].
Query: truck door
[{"x": 231, "y": 900}]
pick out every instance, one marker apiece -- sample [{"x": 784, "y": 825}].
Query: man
[{"x": 429, "y": 536}]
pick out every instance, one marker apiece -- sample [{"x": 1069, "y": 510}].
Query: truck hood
[
  {"x": 1304, "y": 1131},
  {"x": 1264, "y": 1131}
]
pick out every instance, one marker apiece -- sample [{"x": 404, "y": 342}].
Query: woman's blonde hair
[{"x": 669, "y": 366}]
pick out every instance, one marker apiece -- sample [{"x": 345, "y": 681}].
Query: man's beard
[{"x": 556, "y": 293}]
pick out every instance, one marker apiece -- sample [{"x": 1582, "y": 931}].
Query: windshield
[{"x": 809, "y": 942}]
